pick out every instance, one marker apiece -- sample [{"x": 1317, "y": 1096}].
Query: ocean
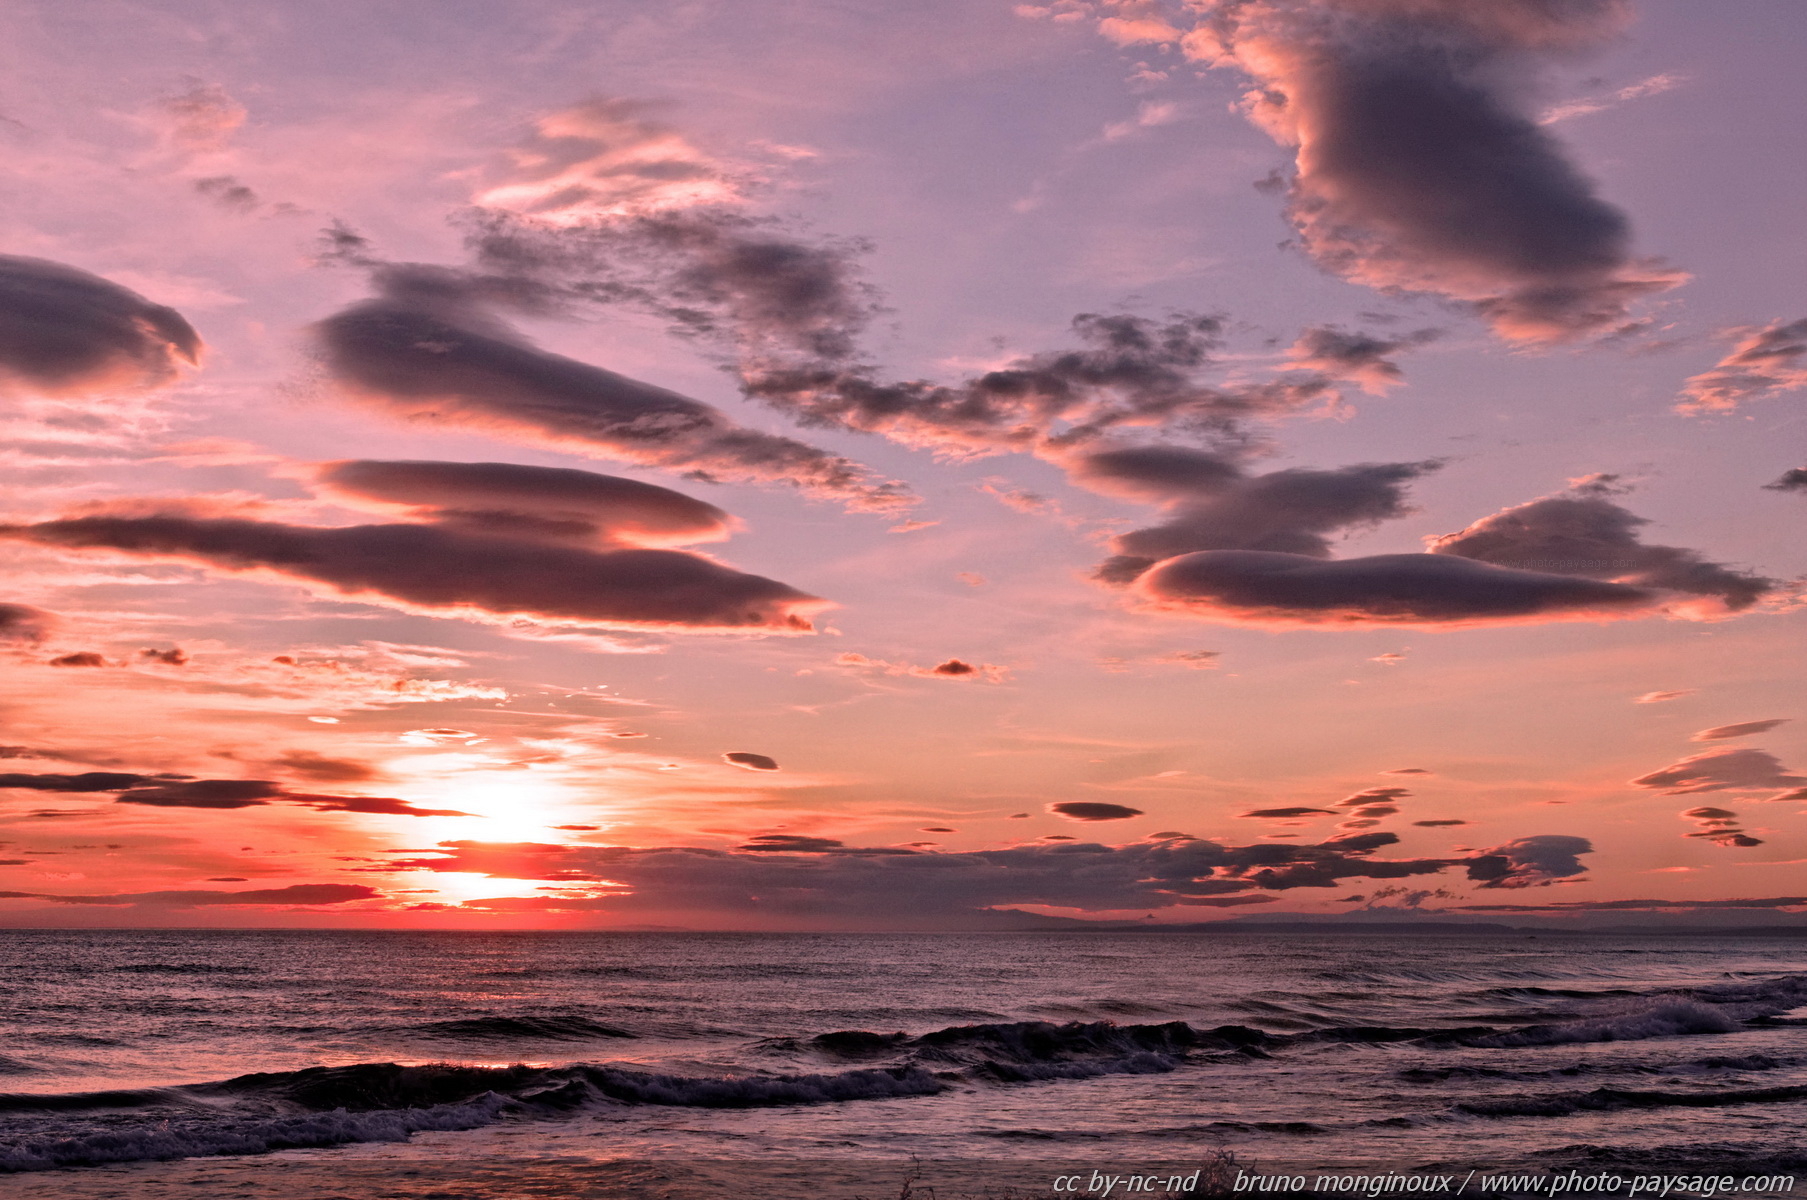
[{"x": 352, "y": 1065}]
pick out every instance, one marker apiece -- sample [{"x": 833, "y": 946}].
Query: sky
[{"x": 784, "y": 466}]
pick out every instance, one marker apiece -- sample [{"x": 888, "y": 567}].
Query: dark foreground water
[{"x": 299, "y": 1065}]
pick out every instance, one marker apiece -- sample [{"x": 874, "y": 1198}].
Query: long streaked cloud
[
  {"x": 1211, "y": 503},
  {"x": 508, "y": 556},
  {"x": 432, "y": 345},
  {"x": 1256, "y": 549},
  {"x": 296, "y": 894},
  {"x": 1582, "y": 533},
  {"x": 790, "y": 314},
  {"x": 180, "y": 791},
  {"x": 66, "y": 332},
  {"x": 1420, "y": 161},
  {"x": 1721, "y": 771},
  {"x": 796, "y": 876},
  {"x": 1720, "y": 733},
  {"x": 1264, "y": 588},
  {"x": 1771, "y": 902},
  {"x": 540, "y": 503}
]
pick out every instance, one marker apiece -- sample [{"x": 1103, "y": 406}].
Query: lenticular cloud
[
  {"x": 430, "y": 346},
  {"x": 493, "y": 539},
  {"x": 64, "y": 331},
  {"x": 1421, "y": 164}
]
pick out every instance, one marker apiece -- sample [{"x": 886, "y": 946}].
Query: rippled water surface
[{"x": 390, "y": 1053}]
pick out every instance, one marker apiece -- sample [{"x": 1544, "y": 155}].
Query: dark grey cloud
[
  {"x": 1719, "y": 826},
  {"x": 444, "y": 569},
  {"x": 1720, "y": 771},
  {"x": 23, "y": 623},
  {"x": 1633, "y": 905},
  {"x": 1439, "y": 824},
  {"x": 795, "y": 876},
  {"x": 1794, "y": 480},
  {"x": 712, "y": 271},
  {"x": 1265, "y": 814},
  {"x": 178, "y": 791},
  {"x": 1092, "y": 810},
  {"x": 227, "y": 192},
  {"x": 1266, "y": 588},
  {"x": 1127, "y": 371},
  {"x": 296, "y": 893},
  {"x": 789, "y": 313},
  {"x": 1720, "y": 733},
  {"x": 64, "y": 331},
  {"x": 1761, "y": 364},
  {"x": 1421, "y": 164},
  {"x": 431, "y": 346},
  {"x": 1363, "y": 358},
  {"x": 80, "y": 658},
  {"x": 511, "y": 500},
  {"x": 751, "y": 761},
  {"x": 1584, "y": 534},
  {"x": 1530, "y": 861},
  {"x": 1379, "y": 795},
  {"x": 1211, "y": 504}
]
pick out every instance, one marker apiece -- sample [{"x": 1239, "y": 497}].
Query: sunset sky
[{"x": 763, "y": 465}]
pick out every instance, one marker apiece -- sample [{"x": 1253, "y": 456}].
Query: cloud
[
  {"x": 1091, "y": 810},
  {"x": 297, "y": 893},
  {"x": 1720, "y": 771},
  {"x": 790, "y": 314},
  {"x": 431, "y": 347},
  {"x": 1421, "y": 165},
  {"x": 202, "y": 119},
  {"x": 1662, "y": 697},
  {"x": 227, "y": 192},
  {"x": 1439, "y": 824},
  {"x": 1762, "y": 363},
  {"x": 542, "y": 503},
  {"x": 952, "y": 668},
  {"x": 23, "y": 623},
  {"x": 752, "y": 762},
  {"x": 1530, "y": 861},
  {"x": 1720, "y": 733},
  {"x": 1266, "y": 588},
  {"x": 1211, "y": 504},
  {"x": 1582, "y": 533},
  {"x": 787, "y": 878},
  {"x": 178, "y": 791},
  {"x": 1275, "y": 813},
  {"x": 1128, "y": 371},
  {"x": 1719, "y": 826},
  {"x": 1256, "y": 549},
  {"x": 1794, "y": 480},
  {"x": 81, "y": 658},
  {"x": 605, "y": 157},
  {"x": 446, "y": 570},
  {"x": 1359, "y": 357},
  {"x": 66, "y": 332},
  {"x": 1632, "y": 905}
]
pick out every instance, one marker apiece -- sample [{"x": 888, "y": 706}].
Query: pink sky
[{"x": 744, "y": 466}]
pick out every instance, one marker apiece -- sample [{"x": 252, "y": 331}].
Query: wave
[
  {"x": 1718, "y": 1062},
  {"x": 185, "y": 969},
  {"x": 1564, "y": 1104},
  {"x": 1661, "y": 1018},
  {"x": 562, "y": 1027},
  {"x": 171, "y": 1139}
]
